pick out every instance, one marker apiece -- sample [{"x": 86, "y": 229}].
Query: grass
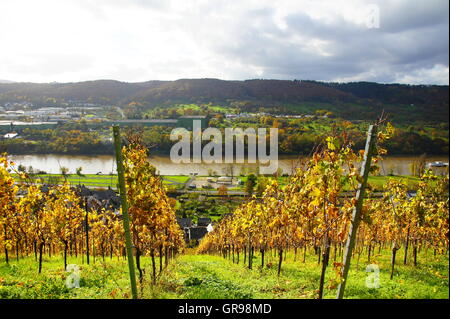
[
  {"x": 176, "y": 178},
  {"x": 376, "y": 182},
  {"x": 20, "y": 279},
  {"x": 220, "y": 278},
  {"x": 101, "y": 181},
  {"x": 179, "y": 181},
  {"x": 194, "y": 276}
]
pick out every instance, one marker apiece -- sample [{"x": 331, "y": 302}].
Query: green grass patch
[
  {"x": 176, "y": 178},
  {"x": 100, "y": 181},
  {"x": 205, "y": 276},
  {"x": 377, "y": 182}
]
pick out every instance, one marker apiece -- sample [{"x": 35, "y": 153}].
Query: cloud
[
  {"x": 137, "y": 40},
  {"x": 437, "y": 74},
  {"x": 403, "y": 15}
]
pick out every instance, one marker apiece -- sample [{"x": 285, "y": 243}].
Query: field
[
  {"x": 203, "y": 276},
  {"x": 101, "y": 181},
  {"x": 376, "y": 182}
]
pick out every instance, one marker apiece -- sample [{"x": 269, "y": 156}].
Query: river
[{"x": 105, "y": 164}]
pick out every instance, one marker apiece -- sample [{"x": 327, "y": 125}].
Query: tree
[
  {"x": 65, "y": 215},
  {"x": 222, "y": 190},
  {"x": 261, "y": 185},
  {"x": 78, "y": 171},
  {"x": 153, "y": 223},
  {"x": 229, "y": 170},
  {"x": 250, "y": 184},
  {"x": 34, "y": 205},
  {"x": 7, "y": 208},
  {"x": 64, "y": 172}
]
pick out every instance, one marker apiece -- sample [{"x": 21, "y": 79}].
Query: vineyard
[
  {"x": 57, "y": 222},
  {"x": 309, "y": 214},
  {"x": 292, "y": 231}
]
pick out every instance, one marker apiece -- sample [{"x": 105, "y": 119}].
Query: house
[
  {"x": 437, "y": 164},
  {"x": 203, "y": 221},
  {"x": 83, "y": 191},
  {"x": 184, "y": 222},
  {"x": 99, "y": 198},
  {"x": 197, "y": 233},
  {"x": 410, "y": 194},
  {"x": 224, "y": 180},
  {"x": 438, "y": 167},
  {"x": 194, "y": 233},
  {"x": 10, "y": 135},
  {"x": 105, "y": 194}
]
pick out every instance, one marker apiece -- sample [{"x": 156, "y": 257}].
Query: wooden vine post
[
  {"x": 124, "y": 204},
  {"x": 356, "y": 216}
]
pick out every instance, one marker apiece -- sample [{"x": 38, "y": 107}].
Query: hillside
[
  {"x": 356, "y": 100},
  {"x": 106, "y": 91}
]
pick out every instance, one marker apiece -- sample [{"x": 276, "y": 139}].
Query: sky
[{"x": 386, "y": 41}]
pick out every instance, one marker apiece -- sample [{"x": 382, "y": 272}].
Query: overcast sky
[{"x": 140, "y": 40}]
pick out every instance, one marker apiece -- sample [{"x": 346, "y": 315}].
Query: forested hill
[{"x": 355, "y": 100}]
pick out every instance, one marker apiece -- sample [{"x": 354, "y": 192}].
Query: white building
[
  {"x": 10, "y": 135},
  {"x": 224, "y": 180}
]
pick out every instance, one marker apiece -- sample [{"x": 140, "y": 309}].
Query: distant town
[{"x": 15, "y": 116}]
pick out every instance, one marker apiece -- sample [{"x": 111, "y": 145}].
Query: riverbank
[
  {"x": 179, "y": 182},
  {"x": 98, "y": 181}
]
